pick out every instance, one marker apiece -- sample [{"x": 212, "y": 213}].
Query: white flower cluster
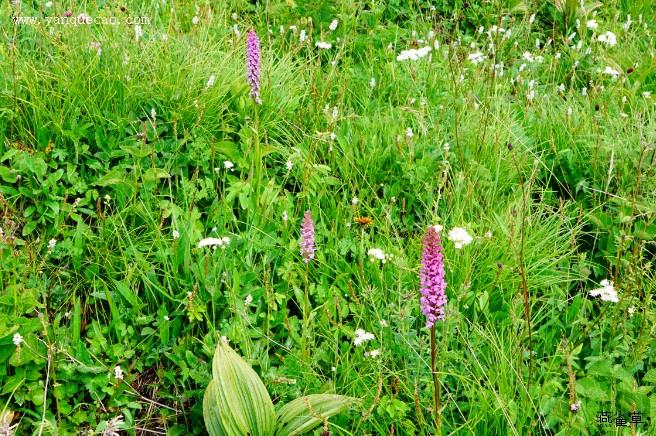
[
  {"x": 214, "y": 242},
  {"x": 378, "y": 254},
  {"x": 606, "y": 292},
  {"x": 362, "y": 336},
  {"x": 608, "y": 38},
  {"x": 413, "y": 54}
]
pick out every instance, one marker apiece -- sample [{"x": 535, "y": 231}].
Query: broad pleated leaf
[
  {"x": 236, "y": 401},
  {"x": 303, "y": 414}
]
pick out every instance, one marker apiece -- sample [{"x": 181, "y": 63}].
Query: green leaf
[
  {"x": 236, "y": 401},
  {"x": 303, "y": 414},
  {"x": 8, "y": 175},
  {"x": 650, "y": 376}
]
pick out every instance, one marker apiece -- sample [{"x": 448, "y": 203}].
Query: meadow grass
[{"x": 122, "y": 147}]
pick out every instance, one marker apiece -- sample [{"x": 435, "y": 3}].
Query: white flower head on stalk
[
  {"x": 592, "y": 24},
  {"x": 323, "y": 45},
  {"x": 228, "y": 165},
  {"x": 608, "y": 38},
  {"x": 459, "y": 237},
  {"x": 176, "y": 234},
  {"x": 362, "y": 336},
  {"x": 248, "y": 300},
  {"x": 611, "y": 72},
  {"x": 51, "y": 244},
  {"x": 214, "y": 242},
  {"x": 372, "y": 82},
  {"x": 377, "y": 254},
  {"x": 17, "y": 339},
  {"x": 138, "y": 32},
  {"x": 413, "y": 54},
  {"x": 118, "y": 373},
  {"x": 210, "y": 81},
  {"x": 607, "y": 292},
  {"x": 372, "y": 353},
  {"x": 333, "y": 25},
  {"x": 476, "y": 57}
]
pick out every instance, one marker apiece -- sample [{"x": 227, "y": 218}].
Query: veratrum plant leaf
[
  {"x": 236, "y": 402},
  {"x": 303, "y": 414}
]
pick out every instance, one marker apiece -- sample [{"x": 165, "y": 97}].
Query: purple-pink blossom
[
  {"x": 307, "y": 237},
  {"x": 433, "y": 283},
  {"x": 253, "y": 64}
]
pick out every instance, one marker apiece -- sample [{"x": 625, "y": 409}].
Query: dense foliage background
[{"x": 519, "y": 124}]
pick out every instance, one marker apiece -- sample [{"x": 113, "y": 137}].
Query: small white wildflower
[
  {"x": 195, "y": 20},
  {"x": 95, "y": 45},
  {"x": 176, "y": 234},
  {"x": 17, "y": 339},
  {"x": 631, "y": 311},
  {"x": 285, "y": 216},
  {"x": 459, "y": 237},
  {"x": 558, "y": 55},
  {"x": 248, "y": 300},
  {"x": 528, "y": 56},
  {"x": 372, "y": 82},
  {"x": 476, "y": 57},
  {"x": 569, "y": 112},
  {"x": 606, "y": 292},
  {"x": 153, "y": 113},
  {"x": 354, "y": 200},
  {"x": 561, "y": 88},
  {"x": 383, "y": 323},
  {"x": 302, "y": 36},
  {"x": 289, "y": 165},
  {"x": 165, "y": 37},
  {"x": 608, "y": 38},
  {"x": 584, "y": 91},
  {"x": 592, "y": 24},
  {"x": 362, "y": 336},
  {"x": 488, "y": 234},
  {"x": 214, "y": 242},
  {"x": 333, "y": 369},
  {"x": 532, "y": 19},
  {"x": 612, "y": 72},
  {"x": 118, "y": 373},
  {"x": 372, "y": 353},
  {"x": 646, "y": 94},
  {"x": 446, "y": 146},
  {"x": 48, "y": 4},
  {"x": 51, "y": 244},
  {"x": 626, "y": 25},
  {"x": 138, "y": 32},
  {"x": 228, "y": 165},
  {"x": 333, "y": 25},
  {"x": 323, "y": 45},
  {"x": 210, "y": 81},
  {"x": 235, "y": 30},
  {"x": 377, "y": 253},
  {"x": 413, "y": 54},
  {"x": 409, "y": 133},
  {"x": 438, "y": 228},
  {"x": 167, "y": 318}
]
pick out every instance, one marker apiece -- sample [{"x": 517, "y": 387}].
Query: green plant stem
[{"x": 436, "y": 382}]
